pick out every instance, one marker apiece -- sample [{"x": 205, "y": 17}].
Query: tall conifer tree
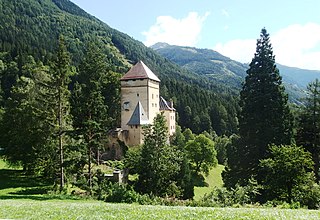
[
  {"x": 308, "y": 133},
  {"x": 89, "y": 104},
  {"x": 61, "y": 79},
  {"x": 265, "y": 116}
]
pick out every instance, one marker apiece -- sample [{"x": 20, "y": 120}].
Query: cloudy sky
[{"x": 230, "y": 27}]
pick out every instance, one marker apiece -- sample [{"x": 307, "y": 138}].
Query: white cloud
[
  {"x": 240, "y": 50},
  {"x": 296, "y": 45},
  {"x": 182, "y": 32}
]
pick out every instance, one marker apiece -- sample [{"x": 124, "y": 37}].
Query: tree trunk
[
  {"x": 61, "y": 143},
  {"x": 89, "y": 170}
]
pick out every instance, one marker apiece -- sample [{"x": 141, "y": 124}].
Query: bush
[
  {"x": 240, "y": 195},
  {"x": 121, "y": 194}
]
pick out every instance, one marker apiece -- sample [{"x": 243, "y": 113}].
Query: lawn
[
  {"x": 53, "y": 209},
  {"x": 213, "y": 179},
  {"x": 26, "y": 198}
]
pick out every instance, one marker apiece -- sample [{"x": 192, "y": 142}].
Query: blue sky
[{"x": 229, "y": 26}]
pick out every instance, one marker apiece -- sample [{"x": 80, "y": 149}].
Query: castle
[{"x": 140, "y": 103}]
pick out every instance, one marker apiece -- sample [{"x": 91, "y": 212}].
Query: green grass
[
  {"x": 28, "y": 209},
  {"x": 213, "y": 179},
  {"x": 23, "y": 197}
]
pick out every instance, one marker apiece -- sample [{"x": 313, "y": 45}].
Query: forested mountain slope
[
  {"x": 220, "y": 69},
  {"x": 32, "y": 27}
]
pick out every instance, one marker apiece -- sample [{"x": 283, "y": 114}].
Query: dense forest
[
  {"x": 29, "y": 25},
  {"x": 58, "y": 100}
]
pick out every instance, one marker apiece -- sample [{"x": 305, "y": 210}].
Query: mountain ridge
[{"x": 219, "y": 68}]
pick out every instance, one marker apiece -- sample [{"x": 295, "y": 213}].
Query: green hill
[
  {"x": 229, "y": 73},
  {"x": 32, "y": 27}
]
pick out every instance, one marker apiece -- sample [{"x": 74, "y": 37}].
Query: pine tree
[
  {"x": 89, "y": 106},
  {"x": 308, "y": 134},
  {"x": 160, "y": 163},
  {"x": 61, "y": 79},
  {"x": 29, "y": 109},
  {"x": 265, "y": 116}
]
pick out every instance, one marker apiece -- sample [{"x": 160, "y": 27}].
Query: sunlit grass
[
  {"x": 28, "y": 209},
  {"x": 213, "y": 179}
]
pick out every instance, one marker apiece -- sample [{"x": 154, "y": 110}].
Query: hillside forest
[{"x": 60, "y": 71}]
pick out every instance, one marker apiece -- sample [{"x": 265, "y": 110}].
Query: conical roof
[
  {"x": 140, "y": 71},
  {"x": 138, "y": 116}
]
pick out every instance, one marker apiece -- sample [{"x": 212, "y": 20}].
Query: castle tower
[{"x": 139, "y": 87}]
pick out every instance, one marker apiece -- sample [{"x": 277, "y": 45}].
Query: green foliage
[
  {"x": 201, "y": 154},
  {"x": 29, "y": 107},
  {"x": 221, "y": 146},
  {"x": 91, "y": 120},
  {"x": 309, "y": 124},
  {"x": 286, "y": 171},
  {"x": 265, "y": 116},
  {"x": 160, "y": 163},
  {"x": 61, "y": 79},
  {"x": 240, "y": 195}
]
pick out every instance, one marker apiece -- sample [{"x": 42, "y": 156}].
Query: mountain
[
  {"x": 223, "y": 70},
  {"x": 301, "y": 77},
  {"x": 32, "y": 27},
  {"x": 206, "y": 63}
]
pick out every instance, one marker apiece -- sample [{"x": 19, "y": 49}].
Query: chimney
[{"x": 171, "y": 103}]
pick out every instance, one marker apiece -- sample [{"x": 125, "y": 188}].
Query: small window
[
  {"x": 152, "y": 96},
  {"x": 138, "y": 94},
  {"x": 152, "y": 105},
  {"x": 136, "y": 126}
]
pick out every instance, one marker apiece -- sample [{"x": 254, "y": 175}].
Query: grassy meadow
[{"x": 27, "y": 198}]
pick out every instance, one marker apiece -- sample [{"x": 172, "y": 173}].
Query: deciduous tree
[
  {"x": 201, "y": 154},
  {"x": 286, "y": 171}
]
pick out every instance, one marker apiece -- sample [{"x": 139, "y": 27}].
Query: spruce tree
[
  {"x": 29, "y": 109},
  {"x": 89, "y": 106},
  {"x": 61, "y": 79},
  {"x": 160, "y": 163},
  {"x": 308, "y": 129},
  {"x": 264, "y": 118}
]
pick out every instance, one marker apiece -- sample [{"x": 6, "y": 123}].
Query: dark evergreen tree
[
  {"x": 308, "y": 131},
  {"x": 160, "y": 163},
  {"x": 28, "y": 121},
  {"x": 265, "y": 116},
  {"x": 89, "y": 106},
  {"x": 61, "y": 78}
]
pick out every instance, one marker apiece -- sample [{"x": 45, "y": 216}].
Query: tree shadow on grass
[
  {"x": 28, "y": 187},
  {"x": 199, "y": 180},
  {"x": 17, "y": 178}
]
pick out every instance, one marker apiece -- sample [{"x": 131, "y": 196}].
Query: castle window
[
  {"x": 152, "y": 96},
  {"x": 152, "y": 105},
  {"x": 136, "y": 126},
  {"x": 155, "y": 104},
  {"x": 138, "y": 94}
]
